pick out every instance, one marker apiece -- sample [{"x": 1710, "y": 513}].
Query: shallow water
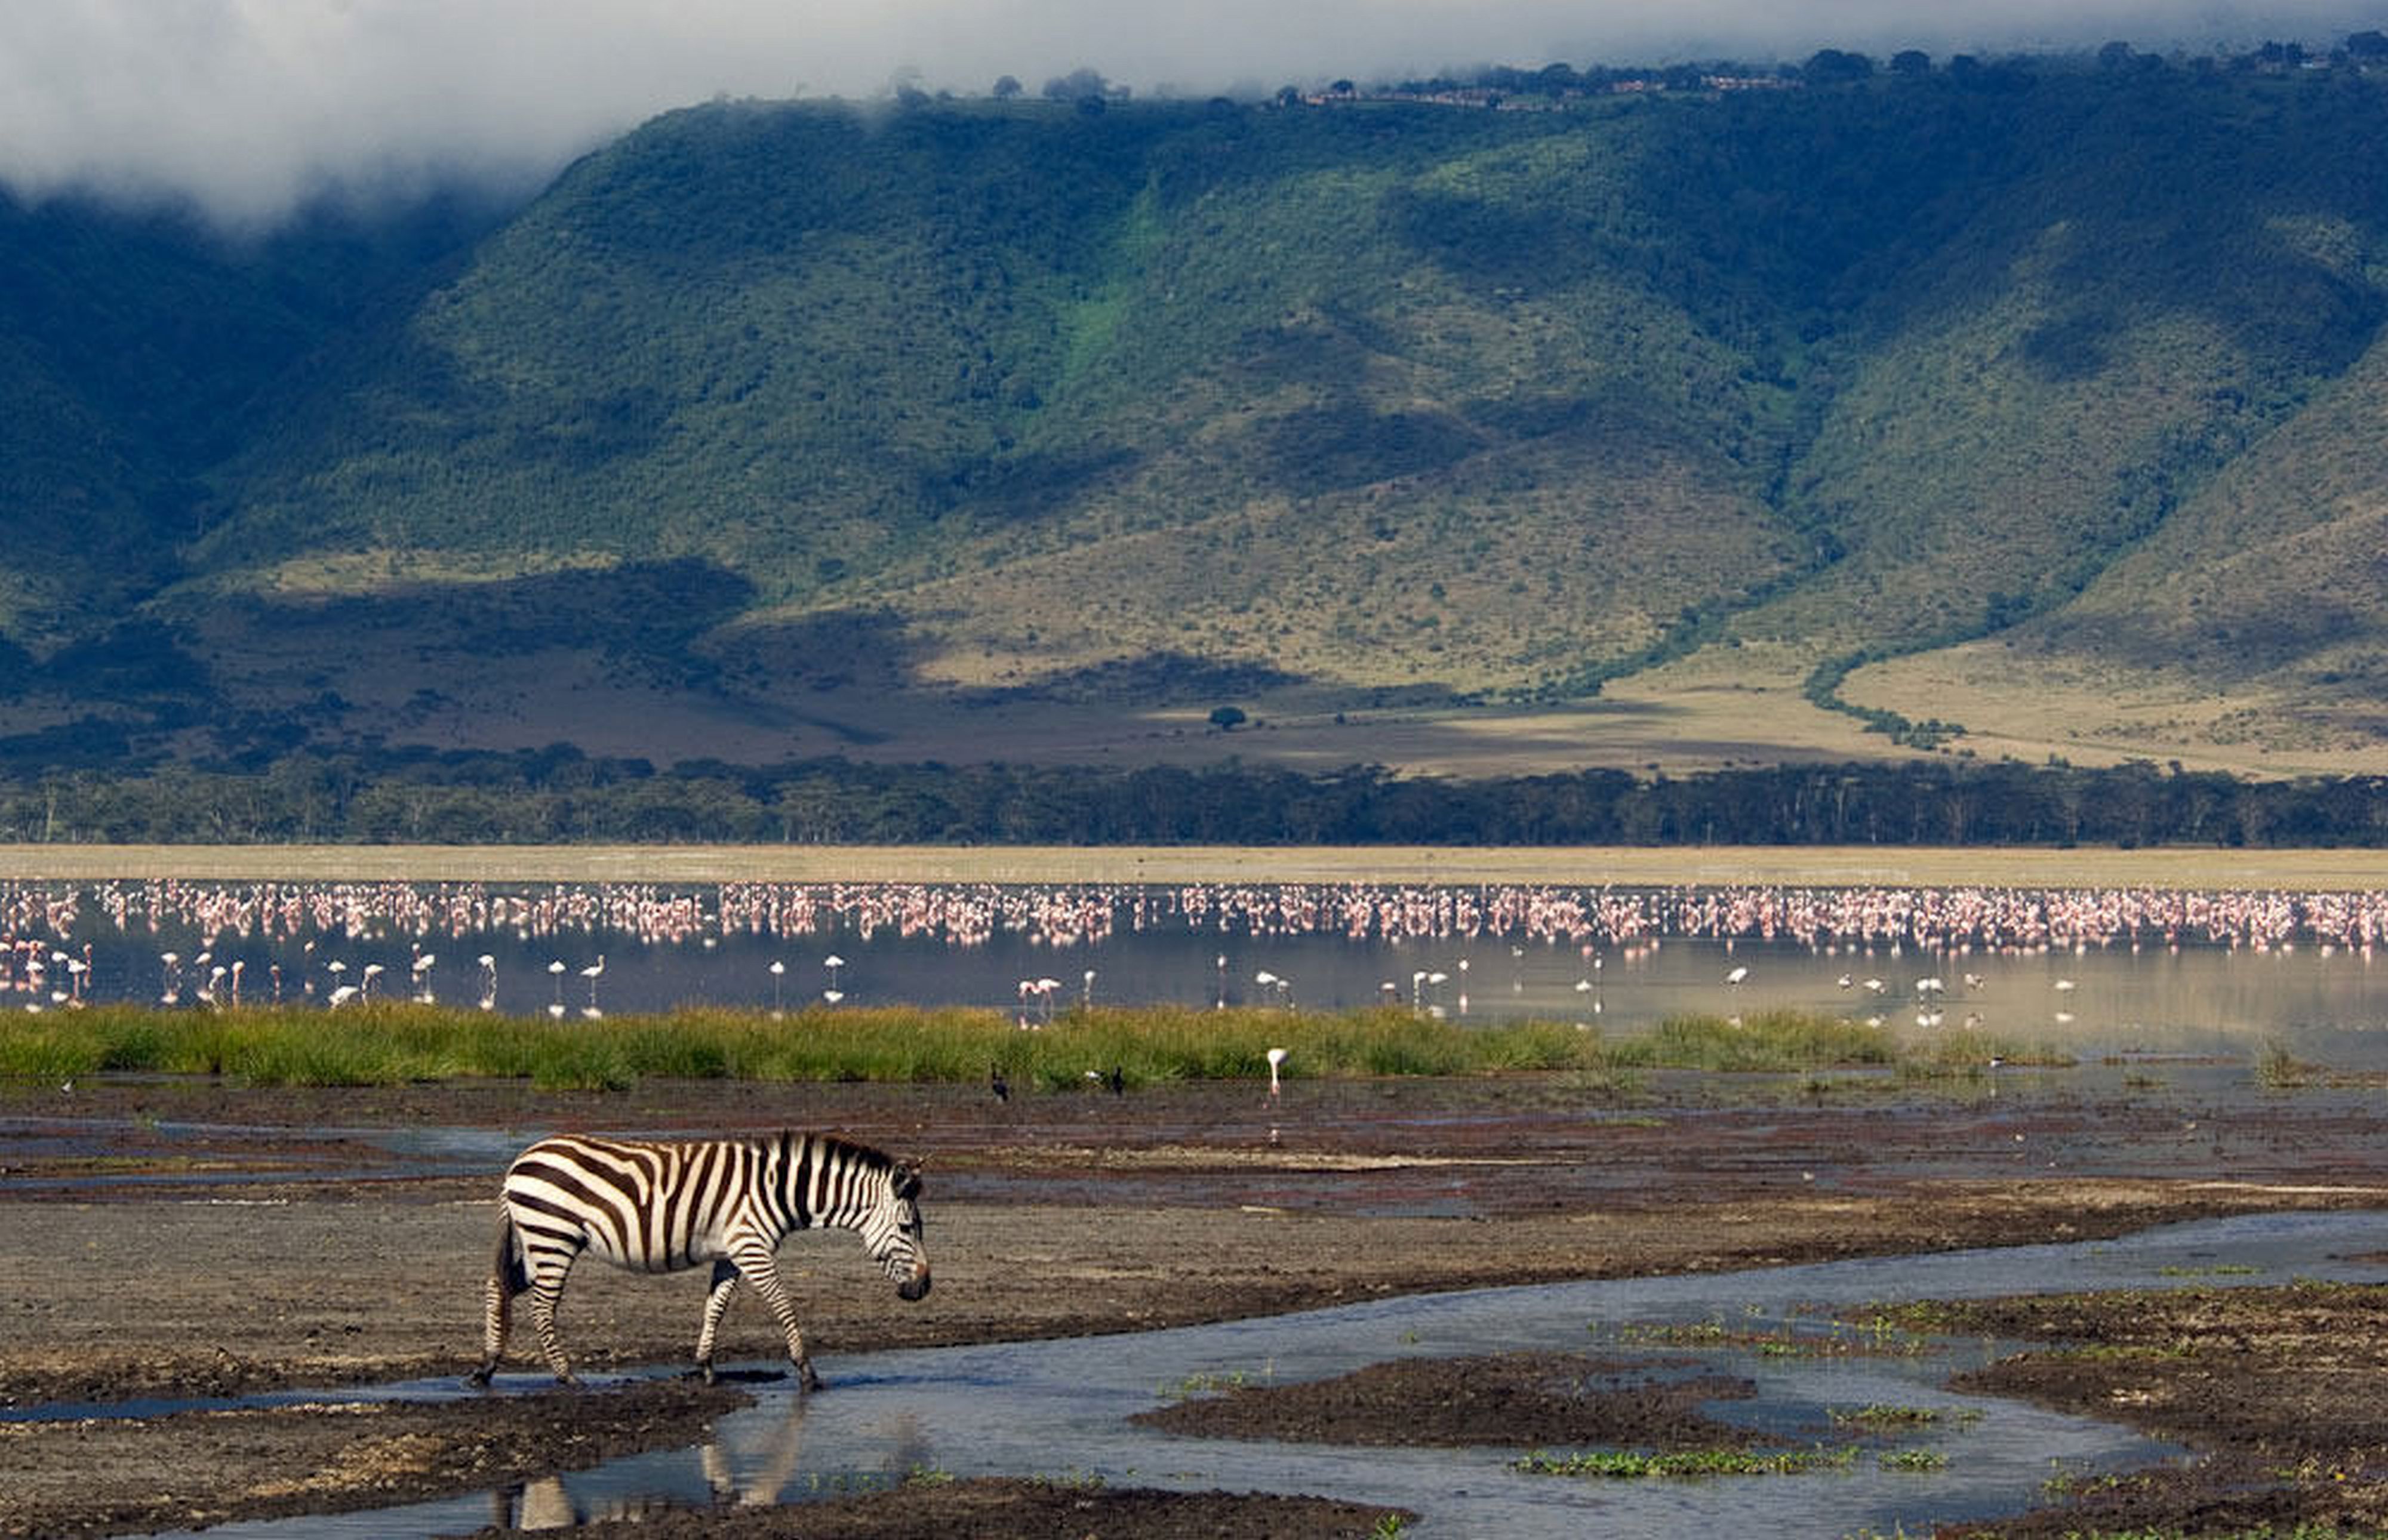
[
  {"x": 2090, "y": 973},
  {"x": 1059, "y": 1409}
]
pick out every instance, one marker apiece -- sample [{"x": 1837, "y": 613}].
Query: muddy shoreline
[{"x": 252, "y": 1239}]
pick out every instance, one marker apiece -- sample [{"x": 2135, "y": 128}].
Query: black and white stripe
[{"x": 654, "y": 1207}]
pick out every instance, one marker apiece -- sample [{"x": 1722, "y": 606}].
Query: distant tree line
[
  {"x": 559, "y": 796},
  {"x": 2365, "y": 49}
]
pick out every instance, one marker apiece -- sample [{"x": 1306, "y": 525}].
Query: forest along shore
[{"x": 1821, "y": 866}]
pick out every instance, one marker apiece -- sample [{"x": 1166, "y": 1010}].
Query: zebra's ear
[{"x": 908, "y": 1179}]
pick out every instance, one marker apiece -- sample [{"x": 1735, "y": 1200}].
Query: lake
[{"x": 2097, "y": 972}]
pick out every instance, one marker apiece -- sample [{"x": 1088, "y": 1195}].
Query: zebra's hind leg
[
  {"x": 548, "y": 1273},
  {"x": 497, "y": 1305},
  {"x": 755, "y": 1261},
  {"x": 717, "y": 1300},
  {"x": 506, "y": 1280}
]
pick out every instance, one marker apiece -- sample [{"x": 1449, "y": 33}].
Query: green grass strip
[{"x": 391, "y": 1042}]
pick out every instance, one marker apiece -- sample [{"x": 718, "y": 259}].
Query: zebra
[{"x": 656, "y": 1206}]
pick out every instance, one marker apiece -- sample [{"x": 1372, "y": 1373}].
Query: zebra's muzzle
[{"x": 914, "y": 1287}]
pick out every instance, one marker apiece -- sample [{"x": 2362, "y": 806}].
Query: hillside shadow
[{"x": 648, "y": 609}]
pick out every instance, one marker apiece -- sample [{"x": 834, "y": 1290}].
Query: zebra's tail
[{"x": 507, "y": 1270}]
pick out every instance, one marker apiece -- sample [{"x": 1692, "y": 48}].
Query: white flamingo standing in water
[
  {"x": 593, "y": 972},
  {"x": 1276, "y": 1058},
  {"x": 833, "y": 962},
  {"x": 556, "y": 971},
  {"x": 489, "y": 980}
]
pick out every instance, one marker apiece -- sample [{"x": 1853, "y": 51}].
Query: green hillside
[{"x": 771, "y": 426}]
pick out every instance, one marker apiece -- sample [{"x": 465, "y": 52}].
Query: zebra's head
[{"x": 895, "y": 1237}]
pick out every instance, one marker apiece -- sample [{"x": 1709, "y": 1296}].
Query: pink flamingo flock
[{"x": 42, "y": 961}]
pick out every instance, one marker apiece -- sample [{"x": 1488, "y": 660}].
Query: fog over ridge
[{"x": 250, "y": 106}]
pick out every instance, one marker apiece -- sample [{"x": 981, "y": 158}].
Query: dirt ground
[{"x": 170, "y": 1240}]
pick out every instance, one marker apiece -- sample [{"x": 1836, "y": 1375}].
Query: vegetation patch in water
[{"x": 1619, "y": 1464}]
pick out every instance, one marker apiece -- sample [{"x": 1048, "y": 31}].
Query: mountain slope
[{"x": 1362, "y": 400}]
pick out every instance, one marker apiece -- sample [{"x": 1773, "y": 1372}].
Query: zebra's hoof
[{"x": 477, "y": 1380}]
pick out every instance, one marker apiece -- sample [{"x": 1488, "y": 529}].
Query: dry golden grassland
[
  {"x": 1717, "y": 865},
  {"x": 2029, "y": 705}
]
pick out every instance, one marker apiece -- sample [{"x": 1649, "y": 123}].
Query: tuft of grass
[
  {"x": 1968, "y": 1051},
  {"x": 1766, "y": 1040},
  {"x": 2277, "y": 1069},
  {"x": 1621, "y": 1464},
  {"x": 1880, "y": 1418},
  {"x": 1206, "y": 1384},
  {"x": 1875, "y": 1337}
]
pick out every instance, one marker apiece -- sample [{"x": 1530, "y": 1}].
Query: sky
[{"x": 249, "y": 106}]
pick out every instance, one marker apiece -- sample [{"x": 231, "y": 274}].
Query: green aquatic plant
[{"x": 1621, "y": 1464}]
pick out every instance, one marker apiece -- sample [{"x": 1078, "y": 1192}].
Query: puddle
[
  {"x": 1060, "y": 1409},
  {"x": 91, "y": 1153}
]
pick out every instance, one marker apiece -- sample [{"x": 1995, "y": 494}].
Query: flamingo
[{"x": 1276, "y": 1058}]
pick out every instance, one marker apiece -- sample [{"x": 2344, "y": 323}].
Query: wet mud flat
[{"x": 251, "y": 1240}]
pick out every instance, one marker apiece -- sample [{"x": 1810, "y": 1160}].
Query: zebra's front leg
[
  {"x": 725, "y": 1283},
  {"x": 761, "y": 1271}
]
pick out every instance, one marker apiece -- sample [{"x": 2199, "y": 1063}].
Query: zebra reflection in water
[
  {"x": 752, "y": 1462},
  {"x": 661, "y": 1206}
]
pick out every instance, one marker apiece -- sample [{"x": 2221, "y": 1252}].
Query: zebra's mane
[{"x": 907, "y": 1172}]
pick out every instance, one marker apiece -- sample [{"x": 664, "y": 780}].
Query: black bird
[
  {"x": 1117, "y": 1080},
  {"x": 1001, "y": 1087}
]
